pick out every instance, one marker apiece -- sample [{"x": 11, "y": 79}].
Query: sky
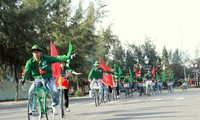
[
  {"x": 170, "y": 23},
  {"x": 173, "y": 23}
]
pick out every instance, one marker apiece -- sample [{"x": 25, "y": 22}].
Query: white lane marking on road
[
  {"x": 137, "y": 100},
  {"x": 90, "y": 103},
  {"x": 180, "y": 98},
  {"x": 157, "y": 99}
]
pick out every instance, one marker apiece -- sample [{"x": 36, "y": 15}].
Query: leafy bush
[{"x": 78, "y": 93}]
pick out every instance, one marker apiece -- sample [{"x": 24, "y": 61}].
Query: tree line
[{"x": 24, "y": 23}]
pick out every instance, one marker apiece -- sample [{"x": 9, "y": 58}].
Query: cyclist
[
  {"x": 170, "y": 83},
  {"x": 127, "y": 80},
  {"x": 65, "y": 70},
  {"x": 116, "y": 81},
  {"x": 141, "y": 87},
  {"x": 40, "y": 67},
  {"x": 96, "y": 74},
  {"x": 148, "y": 82},
  {"x": 159, "y": 85}
]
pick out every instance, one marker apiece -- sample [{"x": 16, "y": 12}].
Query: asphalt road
[{"x": 167, "y": 106}]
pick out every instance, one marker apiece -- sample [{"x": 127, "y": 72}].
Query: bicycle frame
[
  {"x": 61, "y": 100},
  {"x": 42, "y": 105}
]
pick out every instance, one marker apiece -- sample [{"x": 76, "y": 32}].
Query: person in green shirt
[
  {"x": 39, "y": 66},
  {"x": 95, "y": 78},
  {"x": 170, "y": 84},
  {"x": 141, "y": 88},
  {"x": 148, "y": 82},
  {"x": 65, "y": 70},
  {"x": 117, "y": 79},
  {"x": 128, "y": 84},
  {"x": 159, "y": 84}
]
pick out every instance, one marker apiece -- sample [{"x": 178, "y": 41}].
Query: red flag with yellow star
[
  {"x": 56, "y": 69},
  {"x": 107, "y": 78}
]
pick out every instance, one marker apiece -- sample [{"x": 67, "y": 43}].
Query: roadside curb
[{"x": 24, "y": 102}]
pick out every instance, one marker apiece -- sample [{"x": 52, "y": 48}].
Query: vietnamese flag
[
  {"x": 153, "y": 71},
  {"x": 22, "y": 72},
  {"x": 137, "y": 73},
  {"x": 107, "y": 78},
  {"x": 56, "y": 69}
]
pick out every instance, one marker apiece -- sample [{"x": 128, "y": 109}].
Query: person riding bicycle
[
  {"x": 40, "y": 67},
  {"x": 65, "y": 70},
  {"x": 128, "y": 81},
  {"x": 141, "y": 88},
  {"x": 148, "y": 82},
  {"x": 116, "y": 82},
  {"x": 159, "y": 84},
  {"x": 170, "y": 83},
  {"x": 96, "y": 74}
]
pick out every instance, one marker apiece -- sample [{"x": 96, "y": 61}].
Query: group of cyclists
[
  {"x": 145, "y": 85},
  {"x": 39, "y": 66}
]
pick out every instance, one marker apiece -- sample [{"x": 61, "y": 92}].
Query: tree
[
  {"x": 150, "y": 51},
  {"x": 165, "y": 62}
]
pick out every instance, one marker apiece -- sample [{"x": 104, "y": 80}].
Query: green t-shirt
[
  {"x": 139, "y": 79},
  {"x": 96, "y": 74},
  {"x": 32, "y": 66},
  {"x": 126, "y": 80},
  {"x": 148, "y": 76}
]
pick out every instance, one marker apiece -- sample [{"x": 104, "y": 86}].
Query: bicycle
[
  {"x": 114, "y": 92},
  {"x": 95, "y": 86},
  {"x": 148, "y": 87},
  {"x": 126, "y": 87},
  {"x": 105, "y": 93},
  {"x": 184, "y": 86},
  {"x": 62, "y": 100},
  {"x": 170, "y": 87},
  {"x": 41, "y": 101}
]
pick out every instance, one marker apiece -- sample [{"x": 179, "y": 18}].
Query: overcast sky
[{"x": 173, "y": 23}]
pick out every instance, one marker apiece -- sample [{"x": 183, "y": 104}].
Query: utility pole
[{"x": 182, "y": 52}]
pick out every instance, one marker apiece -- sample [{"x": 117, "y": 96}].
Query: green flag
[
  {"x": 119, "y": 70},
  {"x": 157, "y": 76},
  {"x": 70, "y": 50},
  {"x": 115, "y": 67},
  {"x": 131, "y": 76},
  {"x": 163, "y": 76}
]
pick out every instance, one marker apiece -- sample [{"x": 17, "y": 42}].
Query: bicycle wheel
[
  {"x": 131, "y": 92},
  {"x": 49, "y": 110},
  {"x": 114, "y": 94},
  {"x": 109, "y": 95},
  {"x": 33, "y": 108},
  {"x": 62, "y": 102},
  {"x": 126, "y": 92},
  {"x": 102, "y": 95},
  {"x": 96, "y": 97}
]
